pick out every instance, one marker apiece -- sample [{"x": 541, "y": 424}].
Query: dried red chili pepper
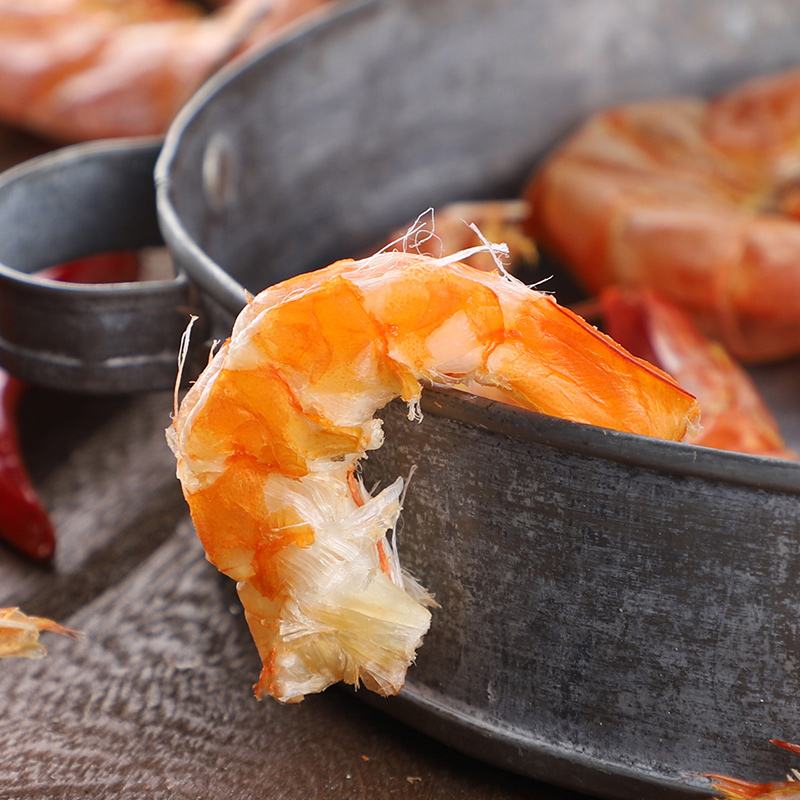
[
  {"x": 115, "y": 267},
  {"x": 24, "y": 522}
]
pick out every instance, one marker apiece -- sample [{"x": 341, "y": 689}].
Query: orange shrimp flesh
[
  {"x": 694, "y": 199},
  {"x": 89, "y": 69},
  {"x": 268, "y": 440},
  {"x": 733, "y": 416},
  {"x": 19, "y": 634}
]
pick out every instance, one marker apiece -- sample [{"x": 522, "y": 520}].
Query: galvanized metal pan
[{"x": 618, "y": 614}]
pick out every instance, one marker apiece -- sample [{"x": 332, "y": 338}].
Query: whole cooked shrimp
[
  {"x": 697, "y": 200},
  {"x": 733, "y": 416},
  {"x": 19, "y": 633},
  {"x": 89, "y": 69},
  {"x": 269, "y": 438}
]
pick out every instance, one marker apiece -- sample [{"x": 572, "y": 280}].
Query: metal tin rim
[
  {"x": 95, "y": 337},
  {"x": 660, "y": 455},
  {"x": 204, "y": 271}
]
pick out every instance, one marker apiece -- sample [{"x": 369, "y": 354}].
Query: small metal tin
[{"x": 109, "y": 338}]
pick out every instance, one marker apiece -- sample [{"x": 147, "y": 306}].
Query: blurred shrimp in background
[
  {"x": 74, "y": 70},
  {"x": 694, "y": 198}
]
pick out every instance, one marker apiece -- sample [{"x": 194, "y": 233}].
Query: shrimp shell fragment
[
  {"x": 19, "y": 634},
  {"x": 269, "y": 438}
]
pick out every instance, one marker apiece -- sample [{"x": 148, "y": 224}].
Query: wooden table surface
[{"x": 155, "y": 699}]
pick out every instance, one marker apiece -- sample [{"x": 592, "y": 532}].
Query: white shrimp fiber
[
  {"x": 344, "y": 610},
  {"x": 368, "y": 635},
  {"x": 343, "y": 550}
]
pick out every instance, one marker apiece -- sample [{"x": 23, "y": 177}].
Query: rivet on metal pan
[{"x": 220, "y": 172}]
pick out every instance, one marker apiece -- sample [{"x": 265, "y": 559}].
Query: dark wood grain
[{"x": 155, "y": 699}]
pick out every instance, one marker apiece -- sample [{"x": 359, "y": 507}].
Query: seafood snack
[
  {"x": 91, "y": 69},
  {"x": 19, "y": 634},
  {"x": 269, "y": 438},
  {"x": 697, "y": 200},
  {"x": 733, "y": 415}
]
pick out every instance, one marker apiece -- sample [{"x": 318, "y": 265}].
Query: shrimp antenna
[
  {"x": 494, "y": 250},
  {"x": 183, "y": 352},
  {"x": 537, "y": 284},
  {"x": 420, "y": 232}
]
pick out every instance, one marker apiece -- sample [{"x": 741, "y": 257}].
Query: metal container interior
[{"x": 617, "y": 614}]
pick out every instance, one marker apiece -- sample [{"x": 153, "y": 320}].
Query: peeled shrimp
[
  {"x": 733, "y": 416},
  {"x": 269, "y": 438},
  {"x": 697, "y": 200},
  {"x": 19, "y": 633},
  {"x": 89, "y": 69}
]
